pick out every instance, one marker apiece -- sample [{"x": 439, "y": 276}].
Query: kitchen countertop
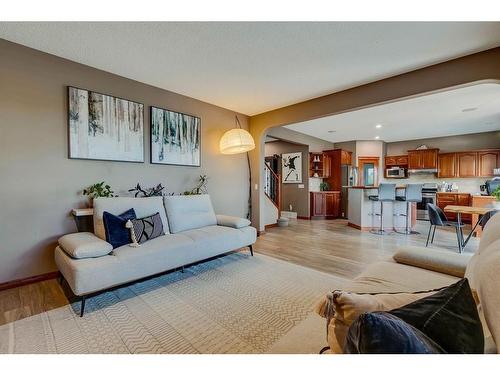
[
  {"x": 325, "y": 191},
  {"x": 371, "y": 187}
]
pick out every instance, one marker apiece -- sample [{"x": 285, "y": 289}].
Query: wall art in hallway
[{"x": 292, "y": 167}]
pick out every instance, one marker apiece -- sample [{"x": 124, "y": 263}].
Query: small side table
[{"x": 84, "y": 219}]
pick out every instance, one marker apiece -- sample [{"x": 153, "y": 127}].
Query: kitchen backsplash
[
  {"x": 314, "y": 183},
  {"x": 465, "y": 185}
]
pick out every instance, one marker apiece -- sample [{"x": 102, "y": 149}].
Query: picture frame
[
  {"x": 291, "y": 168},
  {"x": 104, "y": 127},
  {"x": 175, "y": 138}
]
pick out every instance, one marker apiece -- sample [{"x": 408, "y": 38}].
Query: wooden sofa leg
[
  {"x": 82, "y": 306},
  {"x": 251, "y": 250}
]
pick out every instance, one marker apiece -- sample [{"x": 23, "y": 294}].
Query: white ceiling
[
  {"x": 255, "y": 67},
  {"x": 429, "y": 116}
]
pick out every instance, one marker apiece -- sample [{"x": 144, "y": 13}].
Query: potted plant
[
  {"x": 496, "y": 193},
  {"x": 100, "y": 189},
  {"x": 324, "y": 186}
]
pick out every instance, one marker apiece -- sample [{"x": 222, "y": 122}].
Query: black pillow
[
  {"x": 148, "y": 228},
  {"x": 448, "y": 320},
  {"x": 449, "y": 317},
  {"x": 114, "y": 227},
  {"x": 384, "y": 333}
]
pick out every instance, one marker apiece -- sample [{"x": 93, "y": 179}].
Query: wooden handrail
[{"x": 275, "y": 195}]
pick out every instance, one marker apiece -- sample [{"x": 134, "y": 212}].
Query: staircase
[{"x": 272, "y": 187}]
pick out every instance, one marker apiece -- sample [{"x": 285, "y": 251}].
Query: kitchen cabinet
[
  {"x": 345, "y": 157},
  {"x": 454, "y": 199},
  {"x": 398, "y": 160},
  {"x": 446, "y": 165},
  {"x": 466, "y": 164},
  {"x": 487, "y": 161},
  {"x": 423, "y": 159},
  {"x": 325, "y": 205},
  {"x": 319, "y": 163}
]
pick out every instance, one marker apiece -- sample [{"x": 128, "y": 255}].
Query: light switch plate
[{"x": 301, "y": 186}]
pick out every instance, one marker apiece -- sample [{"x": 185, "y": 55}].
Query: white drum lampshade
[{"x": 236, "y": 141}]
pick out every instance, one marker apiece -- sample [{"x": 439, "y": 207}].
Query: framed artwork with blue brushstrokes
[
  {"x": 104, "y": 127},
  {"x": 175, "y": 138}
]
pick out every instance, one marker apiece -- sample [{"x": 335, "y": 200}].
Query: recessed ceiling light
[
  {"x": 469, "y": 109},
  {"x": 332, "y": 131},
  {"x": 377, "y": 137},
  {"x": 378, "y": 126}
]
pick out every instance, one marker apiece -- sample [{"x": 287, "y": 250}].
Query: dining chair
[{"x": 438, "y": 218}]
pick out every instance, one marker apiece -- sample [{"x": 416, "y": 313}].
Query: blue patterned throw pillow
[
  {"x": 148, "y": 228},
  {"x": 114, "y": 227}
]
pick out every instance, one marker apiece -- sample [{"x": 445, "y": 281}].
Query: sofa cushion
[
  {"x": 384, "y": 333},
  {"x": 216, "y": 239},
  {"x": 186, "y": 212},
  {"x": 117, "y": 234},
  {"x": 491, "y": 233},
  {"x": 232, "y": 221},
  {"x": 435, "y": 260},
  {"x": 84, "y": 245},
  {"x": 142, "y": 207},
  {"x": 390, "y": 277}
]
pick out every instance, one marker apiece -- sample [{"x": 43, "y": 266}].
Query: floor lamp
[{"x": 237, "y": 141}]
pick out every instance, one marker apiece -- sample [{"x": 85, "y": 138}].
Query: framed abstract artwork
[
  {"x": 291, "y": 168},
  {"x": 103, "y": 127},
  {"x": 175, "y": 138}
]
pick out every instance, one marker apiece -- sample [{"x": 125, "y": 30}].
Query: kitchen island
[{"x": 360, "y": 210}]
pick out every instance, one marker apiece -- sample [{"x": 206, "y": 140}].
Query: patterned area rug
[{"x": 233, "y": 304}]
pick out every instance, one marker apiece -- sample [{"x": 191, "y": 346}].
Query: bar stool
[
  {"x": 386, "y": 193},
  {"x": 413, "y": 194}
]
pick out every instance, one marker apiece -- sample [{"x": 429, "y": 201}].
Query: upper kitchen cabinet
[
  {"x": 466, "y": 164},
  {"x": 345, "y": 157},
  {"x": 487, "y": 161},
  {"x": 423, "y": 159},
  {"x": 446, "y": 165},
  {"x": 399, "y": 160}
]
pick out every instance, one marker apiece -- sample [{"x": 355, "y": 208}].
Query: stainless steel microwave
[{"x": 395, "y": 172}]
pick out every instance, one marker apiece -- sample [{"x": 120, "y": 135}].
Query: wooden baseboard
[
  {"x": 270, "y": 226},
  {"x": 29, "y": 280}
]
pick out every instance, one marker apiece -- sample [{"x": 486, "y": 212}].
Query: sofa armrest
[
  {"x": 446, "y": 262},
  {"x": 232, "y": 221},
  {"x": 84, "y": 245}
]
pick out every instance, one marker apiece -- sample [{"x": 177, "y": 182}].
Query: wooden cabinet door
[
  {"x": 345, "y": 157},
  {"x": 446, "y": 165},
  {"x": 467, "y": 164},
  {"x": 330, "y": 204},
  {"x": 487, "y": 161},
  {"x": 319, "y": 204},
  {"x": 464, "y": 200},
  {"x": 429, "y": 159},
  {"x": 327, "y": 165},
  {"x": 414, "y": 160},
  {"x": 390, "y": 160},
  {"x": 402, "y": 160},
  {"x": 444, "y": 200}
]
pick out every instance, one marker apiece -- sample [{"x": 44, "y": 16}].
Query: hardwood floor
[
  {"x": 326, "y": 245},
  {"x": 333, "y": 247}
]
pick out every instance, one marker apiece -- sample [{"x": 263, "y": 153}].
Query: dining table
[{"x": 459, "y": 210}]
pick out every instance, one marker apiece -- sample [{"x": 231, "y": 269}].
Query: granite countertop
[{"x": 371, "y": 187}]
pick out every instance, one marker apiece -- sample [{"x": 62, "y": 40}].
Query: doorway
[{"x": 368, "y": 170}]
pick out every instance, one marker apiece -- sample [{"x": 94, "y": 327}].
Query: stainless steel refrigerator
[{"x": 348, "y": 177}]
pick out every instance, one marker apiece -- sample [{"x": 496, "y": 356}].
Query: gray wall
[
  {"x": 291, "y": 194},
  {"x": 466, "y": 142},
  {"x": 40, "y": 185}
]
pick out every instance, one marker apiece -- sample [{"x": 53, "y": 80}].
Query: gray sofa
[{"x": 193, "y": 232}]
